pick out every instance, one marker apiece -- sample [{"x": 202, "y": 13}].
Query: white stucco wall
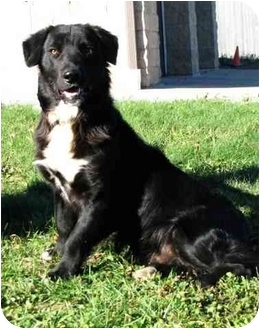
[{"x": 21, "y": 18}]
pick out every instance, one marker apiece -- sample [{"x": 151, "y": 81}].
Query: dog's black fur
[{"x": 121, "y": 184}]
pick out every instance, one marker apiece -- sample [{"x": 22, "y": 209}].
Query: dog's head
[{"x": 72, "y": 59}]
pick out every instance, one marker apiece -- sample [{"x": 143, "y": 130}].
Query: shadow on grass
[
  {"x": 27, "y": 212},
  {"x": 32, "y": 210},
  {"x": 219, "y": 183}
]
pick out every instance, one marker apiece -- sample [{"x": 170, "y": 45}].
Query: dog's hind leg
[
  {"x": 160, "y": 260},
  {"x": 213, "y": 254}
]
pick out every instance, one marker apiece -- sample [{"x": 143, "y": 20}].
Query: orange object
[{"x": 236, "y": 59}]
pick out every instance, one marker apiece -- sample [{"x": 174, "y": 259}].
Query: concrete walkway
[{"x": 232, "y": 84}]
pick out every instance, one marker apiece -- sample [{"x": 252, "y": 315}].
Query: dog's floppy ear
[
  {"x": 32, "y": 47},
  {"x": 109, "y": 44}
]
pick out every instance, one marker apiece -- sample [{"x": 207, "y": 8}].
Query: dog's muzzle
[{"x": 70, "y": 86}]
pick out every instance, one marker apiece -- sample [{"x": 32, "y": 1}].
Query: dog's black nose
[{"x": 71, "y": 76}]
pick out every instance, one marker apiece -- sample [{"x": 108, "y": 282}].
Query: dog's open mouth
[{"x": 70, "y": 94}]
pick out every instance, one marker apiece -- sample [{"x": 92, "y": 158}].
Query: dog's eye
[
  {"x": 54, "y": 51},
  {"x": 86, "y": 50}
]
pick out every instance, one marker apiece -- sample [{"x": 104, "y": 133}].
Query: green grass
[{"x": 217, "y": 141}]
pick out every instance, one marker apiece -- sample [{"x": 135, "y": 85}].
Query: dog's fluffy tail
[{"x": 214, "y": 254}]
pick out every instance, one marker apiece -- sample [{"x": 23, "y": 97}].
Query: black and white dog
[{"x": 106, "y": 179}]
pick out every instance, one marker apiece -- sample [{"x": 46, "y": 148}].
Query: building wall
[
  {"x": 207, "y": 34},
  {"x": 238, "y": 25},
  {"x": 190, "y": 37},
  {"x": 19, "y": 83},
  {"x": 148, "y": 43},
  {"x": 181, "y": 37}
]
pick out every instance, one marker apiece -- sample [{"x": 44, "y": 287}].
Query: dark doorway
[{"x": 163, "y": 53}]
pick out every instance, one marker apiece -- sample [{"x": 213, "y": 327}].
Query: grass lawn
[{"x": 217, "y": 141}]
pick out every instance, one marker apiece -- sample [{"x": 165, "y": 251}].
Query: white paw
[
  {"x": 144, "y": 273},
  {"x": 46, "y": 256}
]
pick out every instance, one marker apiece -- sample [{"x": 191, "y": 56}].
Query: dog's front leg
[
  {"x": 65, "y": 217},
  {"x": 90, "y": 229}
]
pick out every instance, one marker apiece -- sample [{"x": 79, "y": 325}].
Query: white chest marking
[
  {"x": 64, "y": 113},
  {"x": 58, "y": 155}
]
